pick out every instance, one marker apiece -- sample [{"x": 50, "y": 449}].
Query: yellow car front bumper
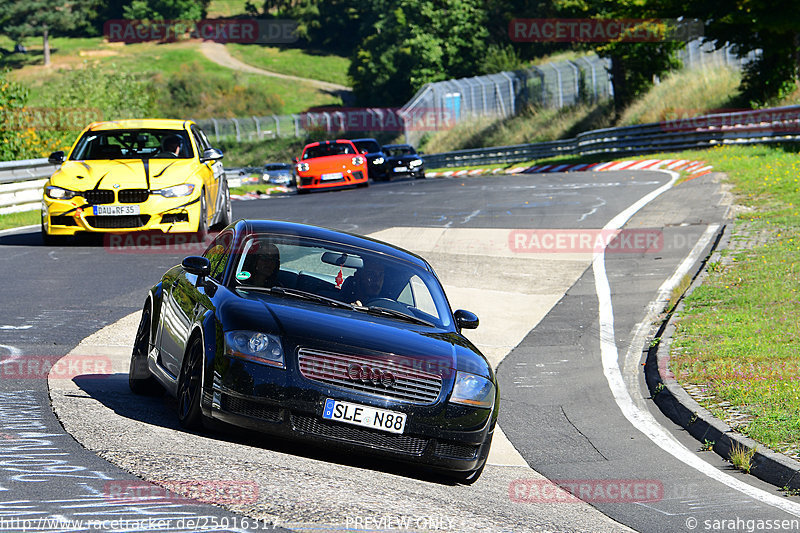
[{"x": 156, "y": 213}]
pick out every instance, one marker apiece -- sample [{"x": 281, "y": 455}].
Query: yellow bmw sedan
[{"x": 136, "y": 175}]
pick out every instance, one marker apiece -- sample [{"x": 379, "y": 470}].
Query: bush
[{"x": 182, "y": 96}]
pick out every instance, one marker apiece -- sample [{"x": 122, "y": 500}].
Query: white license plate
[
  {"x": 115, "y": 210},
  {"x": 401, "y": 169},
  {"x": 365, "y": 416},
  {"x": 332, "y": 176}
]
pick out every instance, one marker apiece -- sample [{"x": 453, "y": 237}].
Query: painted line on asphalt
[
  {"x": 641, "y": 419},
  {"x": 14, "y": 353}
]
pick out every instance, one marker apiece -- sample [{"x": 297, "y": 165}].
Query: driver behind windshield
[
  {"x": 262, "y": 264},
  {"x": 365, "y": 284}
]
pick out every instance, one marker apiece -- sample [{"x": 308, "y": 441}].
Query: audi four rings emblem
[{"x": 366, "y": 374}]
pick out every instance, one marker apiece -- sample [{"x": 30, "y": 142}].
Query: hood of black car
[{"x": 358, "y": 333}]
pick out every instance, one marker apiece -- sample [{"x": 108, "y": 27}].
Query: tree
[
  {"x": 634, "y": 65},
  {"x": 415, "y": 42},
  {"x": 772, "y": 27},
  {"x": 166, "y": 9},
  {"x": 24, "y": 18}
]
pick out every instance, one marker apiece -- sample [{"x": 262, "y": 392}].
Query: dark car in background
[
  {"x": 324, "y": 336},
  {"x": 376, "y": 159},
  {"x": 403, "y": 160},
  {"x": 278, "y": 174}
]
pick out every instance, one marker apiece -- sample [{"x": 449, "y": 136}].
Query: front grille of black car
[
  {"x": 250, "y": 408},
  {"x": 378, "y": 439},
  {"x": 98, "y": 196},
  {"x": 62, "y": 220},
  {"x": 456, "y": 450},
  {"x": 133, "y": 196},
  {"x": 406, "y": 383},
  {"x": 117, "y": 222}
]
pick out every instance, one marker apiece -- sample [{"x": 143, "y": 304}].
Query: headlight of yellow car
[
  {"x": 57, "y": 193},
  {"x": 175, "y": 191}
]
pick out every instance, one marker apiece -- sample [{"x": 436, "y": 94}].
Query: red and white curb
[{"x": 693, "y": 168}]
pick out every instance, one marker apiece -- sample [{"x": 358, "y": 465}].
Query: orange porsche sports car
[{"x": 330, "y": 164}]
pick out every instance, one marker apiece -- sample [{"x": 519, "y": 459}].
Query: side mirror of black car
[
  {"x": 212, "y": 154},
  {"x": 466, "y": 319},
  {"x": 56, "y": 158},
  {"x": 197, "y": 265}
]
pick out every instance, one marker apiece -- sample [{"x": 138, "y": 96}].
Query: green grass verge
[
  {"x": 738, "y": 335},
  {"x": 216, "y": 91},
  {"x": 294, "y": 61},
  {"x": 16, "y": 220},
  {"x": 261, "y": 188}
]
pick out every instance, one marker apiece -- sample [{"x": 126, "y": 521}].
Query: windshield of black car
[
  {"x": 368, "y": 147},
  {"x": 394, "y": 152},
  {"x": 133, "y": 144},
  {"x": 360, "y": 278},
  {"x": 324, "y": 150}
]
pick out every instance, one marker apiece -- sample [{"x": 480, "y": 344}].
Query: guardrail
[
  {"x": 21, "y": 184},
  {"x": 763, "y": 126},
  {"x": 21, "y": 181}
]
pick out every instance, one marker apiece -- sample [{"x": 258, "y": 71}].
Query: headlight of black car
[
  {"x": 254, "y": 346},
  {"x": 473, "y": 390}
]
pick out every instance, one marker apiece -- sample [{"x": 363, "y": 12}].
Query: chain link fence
[{"x": 441, "y": 105}]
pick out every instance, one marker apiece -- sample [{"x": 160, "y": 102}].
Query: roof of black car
[
  {"x": 397, "y": 146},
  {"x": 316, "y": 232}
]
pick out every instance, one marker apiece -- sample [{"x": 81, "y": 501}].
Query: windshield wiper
[
  {"x": 303, "y": 295},
  {"x": 383, "y": 311}
]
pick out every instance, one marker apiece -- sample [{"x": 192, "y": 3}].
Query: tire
[
  {"x": 202, "y": 224},
  {"x": 190, "y": 415},
  {"x": 420, "y": 176},
  {"x": 226, "y": 216},
  {"x": 141, "y": 346},
  {"x": 301, "y": 191}
]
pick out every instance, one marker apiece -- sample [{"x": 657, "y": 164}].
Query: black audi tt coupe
[{"x": 330, "y": 337}]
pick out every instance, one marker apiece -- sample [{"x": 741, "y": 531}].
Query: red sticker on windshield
[{"x": 339, "y": 279}]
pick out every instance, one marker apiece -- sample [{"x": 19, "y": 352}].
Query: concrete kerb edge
[{"x": 681, "y": 408}]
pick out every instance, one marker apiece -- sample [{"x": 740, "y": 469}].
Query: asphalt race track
[{"x": 564, "y": 323}]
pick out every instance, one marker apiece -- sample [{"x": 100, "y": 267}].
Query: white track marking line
[{"x": 640, "y": 419}]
